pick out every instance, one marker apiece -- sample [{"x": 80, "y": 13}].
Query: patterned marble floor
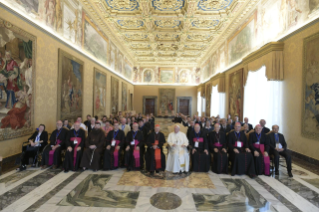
[{"x": 52, "y": 190}]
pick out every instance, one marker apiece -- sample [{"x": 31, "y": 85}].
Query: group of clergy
[{"x": 108, "y": 144}]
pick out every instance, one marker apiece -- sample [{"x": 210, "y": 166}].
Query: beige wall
[
  {"x": 141, "y": 90},
  {"x": 45, "y": 85},
  {"x": 292, "y": 94}
]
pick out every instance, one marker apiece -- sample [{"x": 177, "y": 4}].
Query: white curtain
[
  {"x": 262, "y": 99},
  {"x": 217, "y": 106},
  {"x": 199, "y": 104}
]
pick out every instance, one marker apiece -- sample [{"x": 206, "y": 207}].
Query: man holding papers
[{"x": 278, "y": 146}]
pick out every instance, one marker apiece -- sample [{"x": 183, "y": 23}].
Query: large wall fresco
[
  {"x": 68, "y": 19},
  {"x": 270, "y": 20}
]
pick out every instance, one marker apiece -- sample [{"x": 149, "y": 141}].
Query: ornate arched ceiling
[{"x": 180, "y": 32}]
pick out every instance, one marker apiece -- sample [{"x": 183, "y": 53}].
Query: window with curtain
[
  {"x": 262, "y": 99},
  {"x": 203, "y": 105},
  {"x": 217, "y": 106},
  {"x": 199, "y": 104}
]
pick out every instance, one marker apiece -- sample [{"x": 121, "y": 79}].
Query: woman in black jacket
[{"x": 37, "y": 142}]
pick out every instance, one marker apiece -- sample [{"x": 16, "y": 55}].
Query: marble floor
[{"x": 53, "y": 190}]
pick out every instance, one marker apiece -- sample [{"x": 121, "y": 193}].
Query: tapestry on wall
[
  {"x": 114, "y": 95},
  {"x": 70, "y": 87},
  {"x": 166, "y": 101},
  {"x": 124, "y": 96},
  {"x": 310, "y": 114},
  {"x": 17, "y": 74},
  {"x": 236, "y": 94},
  {"x": 99, "y": 93}
]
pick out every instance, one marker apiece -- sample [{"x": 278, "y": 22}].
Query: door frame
[
  {"x": 190, "y": 103},
  {"x": 150, "y": 97}
]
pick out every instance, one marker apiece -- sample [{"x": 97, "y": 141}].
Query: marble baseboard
[{"x": 304, "y": 157}]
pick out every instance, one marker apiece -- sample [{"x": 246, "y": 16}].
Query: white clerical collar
[{"x": 156, "y": 132}]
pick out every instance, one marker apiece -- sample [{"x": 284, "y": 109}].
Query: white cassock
[{"x": 178, "y": 157}]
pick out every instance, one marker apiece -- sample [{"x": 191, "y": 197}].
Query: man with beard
[
  {"x": 115, "y": 141},
  {"x": 52, "y": 155},
  {"x": 93, "y": 148}
]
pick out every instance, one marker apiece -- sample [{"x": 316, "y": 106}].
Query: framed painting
[
  {"x": 70, "y": 87},
  {"x": 94, "y": 41},
  {"x": 99, "y": 93},
  {"x": 167, "y": 75},
  {"x": 17, "y": 49},
  {"x": 236, "y": 92},
  {"x": 124, "y": 97},
  {"x": 114, "y": 95},
  {"x": 242, "y": 42},
  {"x": 166, "y": 101},
  {"x": 310, "y": 102}
]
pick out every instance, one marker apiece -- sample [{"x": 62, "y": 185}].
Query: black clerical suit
[{"x": 273, "y": 139}]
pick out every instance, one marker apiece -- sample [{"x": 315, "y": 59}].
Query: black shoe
[
  {"x": 95, "y": 170},
  {"x": 33, "y": 166},
  {"x": 66, "y": 171},
  {"x": 276, "y": 172},
  {"x": 252, "y": 176},
  {"x": 290, "y": 174},
  {"x": 22, "y": 168},
  {"x": 151, "y": 172},
  {"x": 128, "y": 169}
]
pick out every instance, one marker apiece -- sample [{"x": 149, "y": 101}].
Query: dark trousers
[
  {"x": 28, "y": 152},
  {"x": 285, "y": 154}
]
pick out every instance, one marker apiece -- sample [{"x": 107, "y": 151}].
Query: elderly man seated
[
  {"x": 278, "y": 146},
  {"x": 178, "y": 157}
]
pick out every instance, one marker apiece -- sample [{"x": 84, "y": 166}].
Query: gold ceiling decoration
[{"x": 154, "y": 30}]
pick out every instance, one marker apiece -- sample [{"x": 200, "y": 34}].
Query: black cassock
[
  {"x": 91, "y": 157},
  {"x": 53, "y": 157},
  {"x": 242, "y": 162},
  {"x": 134, "y": 159},
  {"x": 254, "y": 146},
  {"x": 155, "y": 158},
  {"x": 112, "y": 156},
  {"x": 200, "y": 160},
  {"x": 220, "y": 163},
  {"x": 74, "y": 139}
]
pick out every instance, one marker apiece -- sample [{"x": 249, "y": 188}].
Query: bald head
[
  {"x": 217, "y": 127},
  {"x": 59, "y": 124},
  {"x": 258, "y": 129},
  {"x": 237, "y": 126},
  {"x": 197, "y": 128}
]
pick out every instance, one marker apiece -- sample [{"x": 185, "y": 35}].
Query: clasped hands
[
  {"x": 70, "y": 149},
  {"x": 194, "y": 150}
]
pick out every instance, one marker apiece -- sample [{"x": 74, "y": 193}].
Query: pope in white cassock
[{"x": 178, "y": 157}]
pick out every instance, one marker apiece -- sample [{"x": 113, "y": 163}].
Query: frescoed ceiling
[{"x": 183, "y": 31}]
